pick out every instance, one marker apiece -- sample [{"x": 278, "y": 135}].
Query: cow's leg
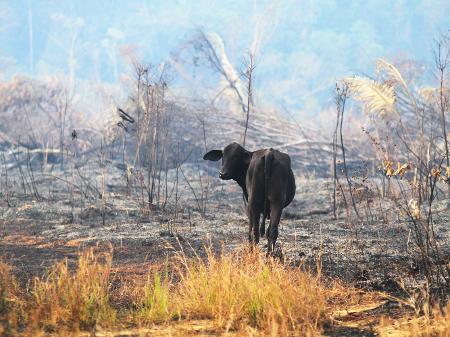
[
  {"x": 250, "y": 229},
  {"x": 256, "y": 228},
  {"x": 262, "y": 226},
  {"x": 272, "y": 232},
  {"x": 253, "y": 230}
]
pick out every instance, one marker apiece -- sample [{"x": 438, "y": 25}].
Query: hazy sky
[{"x": 303, "y": 46}]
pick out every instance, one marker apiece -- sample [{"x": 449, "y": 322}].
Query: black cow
[{"x": 267, "y": 181}]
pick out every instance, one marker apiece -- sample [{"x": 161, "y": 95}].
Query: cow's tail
[{"x": 267, "y": 174}]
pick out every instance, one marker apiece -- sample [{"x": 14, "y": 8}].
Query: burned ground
[{"x": 36, "y": 232}]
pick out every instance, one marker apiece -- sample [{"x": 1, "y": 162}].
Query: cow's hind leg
[
  {"x": 262, "y": 226},
  {"x": 256, "y": 228},
  {"x": 253, "y": 230},
  {"x": 272, "y": 232}
]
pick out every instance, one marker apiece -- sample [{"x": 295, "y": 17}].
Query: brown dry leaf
[
  {"x": 446, "y": 177},
  {"x": 401, "y": 169},
  {"x": 435, "y": 172},
  {"x": 387, "y": 165}
]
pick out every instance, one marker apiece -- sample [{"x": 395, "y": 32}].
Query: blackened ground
[{"x": 374, "y": 252}]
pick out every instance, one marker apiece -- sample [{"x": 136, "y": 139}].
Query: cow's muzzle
[{"x": 224, "y": 175}]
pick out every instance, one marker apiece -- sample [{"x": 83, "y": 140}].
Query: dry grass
[
  {"x": 248, "y": 289},
  {"x": 73, "y": 300},
  {"x": 11, "y": 305},
  {"x": 243, "y": 293},
  {"x": 434, "y": 323},
  {"x": 153, "y": 301},
  {"x": 437, "y": 325}
]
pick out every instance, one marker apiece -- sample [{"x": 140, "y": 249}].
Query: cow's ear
[{"x": 213, "y": 155}]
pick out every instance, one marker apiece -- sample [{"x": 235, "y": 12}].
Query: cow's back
[{"x": 278, "y": 177}]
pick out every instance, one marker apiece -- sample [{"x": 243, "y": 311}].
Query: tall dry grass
[
  {"x": 238, "y": 292},
  {"x": 248, "y": 289},
  {"x": 11, "y": 304},
  {"x": 235, "y": 291},
  {"x": 434, "y": 322},
  {"x": 437, "y": 324},
  {"x": 73, "y": 300},
  {"x": 153, "y": 299}
]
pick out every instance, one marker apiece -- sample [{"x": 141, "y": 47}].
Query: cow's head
[{"x": 235, "y": 161}]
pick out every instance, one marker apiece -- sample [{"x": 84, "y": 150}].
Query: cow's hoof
[{"x": 277, "y": 253}]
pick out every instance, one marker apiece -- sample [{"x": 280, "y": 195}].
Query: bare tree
[
  {"x": 441, "y": 62},
  {"x": 203, "y": 43},
  {"x": 341, "y": 99},
  {"x": 248, "y": 74}
]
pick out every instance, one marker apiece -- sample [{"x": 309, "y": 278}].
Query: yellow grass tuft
[
  {"x": 11, "y": 305},
  {"x": 153, "y": 301},
  {"x": 73, "y": 300},
  {"x": 248, "y": 289}
]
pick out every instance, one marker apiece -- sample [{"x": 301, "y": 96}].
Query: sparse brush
[{"x": 74, "y": 300}]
